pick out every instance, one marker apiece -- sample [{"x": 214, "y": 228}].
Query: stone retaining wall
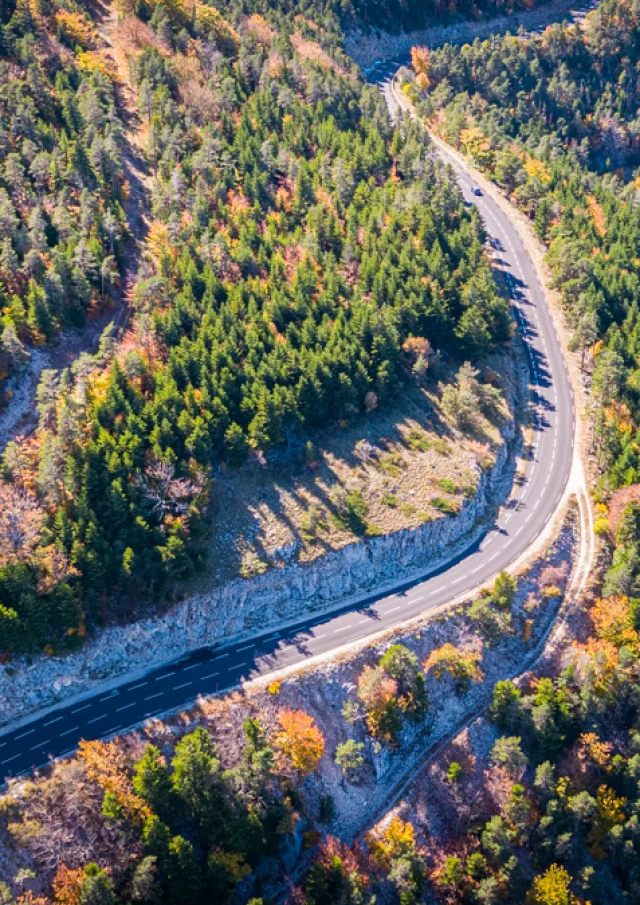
[{"x": 278, "y": 597}]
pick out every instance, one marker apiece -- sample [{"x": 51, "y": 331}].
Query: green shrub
[
  {"x": 417, "y": 440},
  {"x": 443, "y": 505},
  {"x": 251, "y": 565},
  {"x": 352, "y": 512},
  {"x": 493, "y": 622}
]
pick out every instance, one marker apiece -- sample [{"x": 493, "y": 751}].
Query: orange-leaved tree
[
  {"x": 107, "y": 765},
  {"x": 420, "y": 60},
  {"x": 67, "y": 885},
  {"x": 613, "y": 621},
  {"x": 378, "y": 693},
  {"x": 301, "y": 742},
  {"x": 421, "y": 65}
]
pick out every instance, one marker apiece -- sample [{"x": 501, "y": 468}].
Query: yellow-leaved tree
[
  {"x": 398, "y": 839},
  {"x": 552, "y": 888}
]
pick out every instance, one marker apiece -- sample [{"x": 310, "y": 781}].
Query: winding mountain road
[{"x": 534, "y": 499}]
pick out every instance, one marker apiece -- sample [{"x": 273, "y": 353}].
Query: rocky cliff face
[{"x": 241, "y": 607}]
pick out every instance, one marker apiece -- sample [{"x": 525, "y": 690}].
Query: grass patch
[
  {"x": 448, "y": 486},
  {"x": 389, "y": 499},
  {"x": 392, "y": 464},
  {"x": 443, "y": 505},
  {"x": 408, "y": 510},
  {"x": 311, "y": 524},
  {"x": 440, "y": 445}
]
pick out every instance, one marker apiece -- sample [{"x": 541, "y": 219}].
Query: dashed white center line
[
  {"x": 165, "y": 675},
  {"x": 126, "y": 707},
  {"x": 392, "y": 609},
  {"x": 344, "y": 628},
  {"x": 41, "y": 745},
  {"x": 97, "y": 718},
  {"x": 246, "y": 647},
  {"x": 152, "y": 696},
  {"x": 25, "y": 734},
  {"x": 178, "y": 687},
  {"x": 68, "y": 732},
  {"x": 210, "y": 676},
  {"x": 139, "y": 685},
  {"x": 221, "y": 656},
  {"x": 51, "y": 722},
  {"x": 9, "y": 759},
  {"x": 193, "y": 666},
  {"x": 84, "y": 707}
]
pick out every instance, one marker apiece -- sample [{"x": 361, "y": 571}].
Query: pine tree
[
  {"x": 13, "y": 348},
  {"x": 152, "y": 781},
  {"x": 38, "y": 316}
]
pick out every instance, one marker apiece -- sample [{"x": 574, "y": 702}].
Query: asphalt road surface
[{"x": 533, "y": 500}]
